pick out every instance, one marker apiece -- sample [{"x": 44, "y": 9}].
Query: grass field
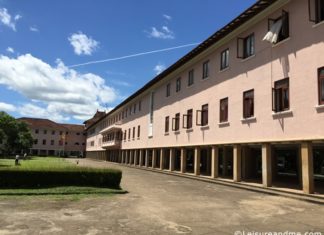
[{"x": 50, "y": 164}]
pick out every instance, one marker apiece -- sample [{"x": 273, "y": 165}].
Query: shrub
[{"x": 40, "y": 178}]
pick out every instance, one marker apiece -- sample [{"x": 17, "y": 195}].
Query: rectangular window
[
  {"x": 245, "y": 46},
  {"x": 53, "y": 132},
  {"x": 191, "y": 77},
  {"x": 35, "y": 141},
  {"x": 134, "y": 110},
  {"x": 36, "y": 131},
  {"x": 168, "y": 90},
  {"x": 205, "y": 70},
  {"x": 280, "y": 95},
  {"x": 278, "y": 29},
  {"x": 187, "y": 120},
  {"x": 45, "y": 132},
  {"x": 223, "y": 110},
  {"x": 129, "y": 133},
  {"x": 316, "y": 10},
  {"x": 52, "y": 142},
  {"x": 140, "y": 105},
  {"x": 178, "y": 84},
  {"x": 138, "y": 131},
  {"x": 44, "y": 142},
  {"x": 204, "y": 115},
  {"x": 321, "y": 85},
  {"x": 224, "y": 59},
  {"x": 166, "y": 124},
  {"x": 176, "y": 122},
  {"x": 133, "y": 132},
  {"x": 248, "y": 104},
  {"x": 125, "y": 134}
]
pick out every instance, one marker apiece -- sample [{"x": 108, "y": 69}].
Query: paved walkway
[{"x": 162, "y": 204}]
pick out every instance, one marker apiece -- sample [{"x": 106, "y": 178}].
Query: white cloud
[
  {"x": 167, "y": 17},
  {"x": 33, "y": 29},
  {"x": 159, "y": 68},
  {"x": 10, "y": 50},
  {"x": 6, "y": 19},
  {"x": 83, "y": 44},
  {"x": 164, "y": 33},
  {"x": 7, "y": 107},
  {"x": 58, "y": 91}
]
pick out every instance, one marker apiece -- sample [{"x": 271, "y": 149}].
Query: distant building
[
  {"x": 51, "y": 138},
  {"x": 98, "y": 115}
]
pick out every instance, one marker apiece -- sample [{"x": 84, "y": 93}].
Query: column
[
  {"x": 161, "y": 159},
  {"x": 214, "y": 156},
  {"x": 141, "y": 157},
  {"x": 135, "y": 156},
  {"x": 153, "y": 158},
  {"x": 172, "y": 159},
  {"x": 123, "y": 157},
  {"x": 307, "y": 167},
  {"x": 146, "y": 158},
  {"x": 237, "y": 163},
  {"x": 266, "y": 165},
  {"x": 183, "y": 160},
  {"x": 197, "y": 161}
]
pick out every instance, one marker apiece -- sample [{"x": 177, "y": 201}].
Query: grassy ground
[{"x": 50, "y": 163}]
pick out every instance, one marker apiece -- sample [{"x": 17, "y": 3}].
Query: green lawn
[{"x": 50, "y": 164}]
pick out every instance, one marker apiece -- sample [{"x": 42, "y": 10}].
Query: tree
[{"x": 15, "y": 135}]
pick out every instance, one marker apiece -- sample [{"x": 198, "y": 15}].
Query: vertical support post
[
  {"x": 183, "y": 160},
  {"x": 141, "y": 157},
  {"x": 266, "y": 165},
  {"x": 237, "y": 163},
  {"x": 161, "y": 159},
  {"x": 135, "y": 157},
  {"x": 307, "y": 167},
  {"x": 214, "y": 156},
  {"x": 197, "y": 161},
  {"x": 123, "y": 156},
  {"x": 146, "y": 157},
  {"x": 172, "y": 159},
  {"x": 153, "y": 158}
]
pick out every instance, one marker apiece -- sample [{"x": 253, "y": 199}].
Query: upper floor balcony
[
  {"x": 115, "y": 143},
  {"x": 114, "y": 127}
]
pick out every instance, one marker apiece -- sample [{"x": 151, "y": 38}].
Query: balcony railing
[
  {"x": 116, "y": 126},
  {"x": 111, "y": 144}
]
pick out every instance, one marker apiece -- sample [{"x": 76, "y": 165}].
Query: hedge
[{"x": 40, "y": 178}]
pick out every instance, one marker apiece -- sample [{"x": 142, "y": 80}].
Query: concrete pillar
[
  {"x": 266, "y": 165},
  {"x": 225, "y": 161},
  {"x": 237, "y": 163},
  {"x": 214, "y": 160},
  {"x": 161, "y": 159},
  {"x": 135, "y": 156},
  {"x": 183, "y": 158},
  {"x": 172, "y": 159},
  {"x": 307, "y": 167},
  {"x": 146, "y": 158},
  {"x": 141, "y": 157},
  {"x": 197, "y": 161},
  {"x": 122, "y": 156},
  {"x": 153, "y": 158}
]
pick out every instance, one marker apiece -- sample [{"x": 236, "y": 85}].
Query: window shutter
[
  {"x": 279, "y": 100},
  {"x": 274, "y": 99},
  {"x": 285, "y": 24},
  {"x": 185, "y": 121},
  {"x": 246, "y": 108},
  {"x": 173, "y": 124},
  {"x": 312, "y": 10},
  {"x": 198, "y": 117},
  {"x": 240, "y": 48}
]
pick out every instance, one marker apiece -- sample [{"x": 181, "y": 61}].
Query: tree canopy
[{"x": 15, "y": 135}]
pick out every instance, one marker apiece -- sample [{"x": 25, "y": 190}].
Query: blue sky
[{"x": 40, "y": 40}]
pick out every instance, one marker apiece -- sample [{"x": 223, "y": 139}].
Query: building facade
[
  {"x": 247, "y": 104},
  {"x": 55, "y": 139}
]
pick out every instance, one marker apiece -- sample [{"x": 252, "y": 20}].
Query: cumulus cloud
[
  {"x": 33, "y": 29},
  {"x": 7, "y": 107},
  {"x": 83, "y": 44},
  {"x": 7, "y": 20},
  {"x": 10, "y": 50},
  {"x": 57, "y": 92},
  {"x": 163, "y": 33},
  {"x": 159, "y": 68},
  {"x": 167, "y": 17}
]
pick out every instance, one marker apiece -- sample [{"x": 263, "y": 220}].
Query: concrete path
[{"x": 162, "y": 204}]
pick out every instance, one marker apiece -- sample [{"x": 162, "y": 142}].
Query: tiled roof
[{"x": 46, "y": 123}]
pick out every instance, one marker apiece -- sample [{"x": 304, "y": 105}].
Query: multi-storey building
[
  {"x": 55, "y": 139},
  {"x": 247, "y": 104}
]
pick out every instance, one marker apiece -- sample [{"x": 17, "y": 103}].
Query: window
[
  {"x": 52, "y": 142},
  {"x": 134, "y": 110},
  {"x": 278, "y": 29},
  {"x": 68, "y": 132},
  {"x": 321, "y": 85},
  {"x": 129, "y": 133},
  {"x": 178, "y": 84},
  {"x": 138, "y": 131},
  {"x": 35, "y": 141},
  {"x": 133, "y": 132},
  {"x": 61, "y": 132},
  {"x": 205, "y": 70},
  {"x": 316, "y": 10},
  {"x": 36, "y": 131},
  {"x": 66, "y": 143},
  {"x": 248, "y": 104},
  {"x": 53, "y": 132},
  {"x": 202, "y": 116},
  {"x": 91, "y": 143},
  {"x": 191, "y": 77},
  {"x": 176, "y": 122},
  {"x": 168, "y": 90},
  {"x": 166, "y": 124},
  {"x": 125, "y": 134},
  {"x": 140, "y": 105},
  {"x": 223, "y": 112},
  {"x": 60, "y": 142},
  {"x": 44, "y": 142},
  {"x": 245, "y": 46},
  {"x": 187, "y": 119},
  {"x": 77, "y": 133},
  {"x": 280, "y": 96},
  {"x": 224, "y": 59},
  {"x": 45, "y": 132}
]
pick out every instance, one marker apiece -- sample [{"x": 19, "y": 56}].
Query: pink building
[{"x": 245, "y": 105}]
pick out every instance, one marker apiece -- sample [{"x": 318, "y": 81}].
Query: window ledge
[
  {"x": 176, "y": 132},
  {"x": 189, "y": 86},
  {"x": 166, "y": 133},
  {"x": 204, "y": 79},
  {"x": 223, "y": 124},
  {"x": 281, "y": 42},
  {"x": 319, "y": 107},
  {"x": 189, "y": 130},
  {"x": 224, "y": 70},
  {"x": 249, "y": 119},
  {"x": 248, "y": 58},
  {"x": 204, "y": 127},
  {"x": 282, "y": 113},
  {"x": 318, "y": 24},
  {"x": 138, "y": 138}
]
